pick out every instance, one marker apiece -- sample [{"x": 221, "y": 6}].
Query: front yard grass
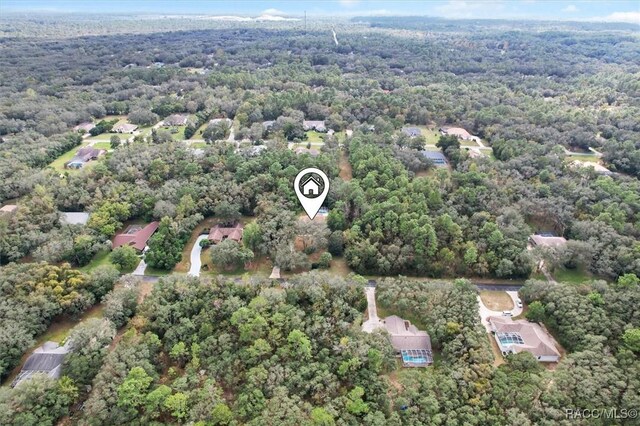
[{"x": 496, "y": 300}]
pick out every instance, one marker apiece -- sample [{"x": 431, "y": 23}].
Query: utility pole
[{"x": 305, "y": 21}]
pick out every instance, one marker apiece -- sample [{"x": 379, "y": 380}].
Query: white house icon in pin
[{"x": 311, "y": 186}]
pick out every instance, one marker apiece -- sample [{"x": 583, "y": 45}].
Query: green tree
[
  {"x": 631, "y": 338},
  {"x": 133, "y": 391},
  {"x": 221, "y": 414},
  {"x": 252, "y": 236},
  {"x": 230, "y": 254},
  {"x": 325, "y": 260},
  {"x": 177, "y": 405},
  {"x": 165, "y": 246},
  {"x": 536, "y": 312},
  {"x": 125, "y": 258},
  {"x": 115, "y": 141}
]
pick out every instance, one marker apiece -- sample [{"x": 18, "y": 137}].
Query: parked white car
[{"x": 506, "y": 313}]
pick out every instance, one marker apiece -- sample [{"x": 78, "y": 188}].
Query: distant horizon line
[{"x": 300, "y": 16}]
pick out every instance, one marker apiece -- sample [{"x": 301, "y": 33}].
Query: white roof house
[
  {"x": 74, "y": 218},
  {"x": 125, "y": 128}
]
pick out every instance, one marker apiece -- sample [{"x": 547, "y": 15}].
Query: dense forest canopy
[{"x": 239, "y": 348}]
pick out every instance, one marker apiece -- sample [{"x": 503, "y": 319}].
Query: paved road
[
  {"x": 498, "y": 287},
  {"x": 196, "y": 263}
]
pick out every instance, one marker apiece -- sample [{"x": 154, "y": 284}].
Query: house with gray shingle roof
[{"x": 47, "y": 359}]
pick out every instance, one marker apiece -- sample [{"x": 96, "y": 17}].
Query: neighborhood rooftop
[
  {"x": 547, "y": 241},
  {"x": 220, "y": 232},
  {"x": 9, "y": 208},
  {"x": 136, "y": 236},
  {"x": 411, "y": 131},
  {"x": 317, "y": 125},
  {"x": 436, "y": 157},
  {"x": 176, "y": 120},
  {"x": 47, "y": 359},
  {"x": 523, "y": 336},
  {"x": 74, "y": 218},
  {"x": 413, "y": 345},
  {"x": 459, "y": 132}
]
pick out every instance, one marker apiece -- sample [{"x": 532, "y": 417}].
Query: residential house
[
  {"x": 411, "y": 344},
  {"x": 458, "y": 132},
  {"x": 412, "y": 132},
  {"x": 598, "y": 168},
  {"x": 221, "y": 232},
  {"x": 221, "y": 120},
  {"x": 311, "y": 186},
  {"x": 547, "y": 240},
  {"x": 438, "y": 159},
  {"x": 74, "y": 218},
  {"x": 8, "y": 210},
  {"x": 310, "y": 151},
  {"x": 125, "y": 128},
  {"x": 47, "y": 359},
  {"x": 83, "y": 156},
  {"x": 86, "y": 127},
  {"x": 136, "y": 236},
  {"x": 176, "y": 120},
  {"x": 522, "y": 336},
  {"x": 317, "y": 125}
]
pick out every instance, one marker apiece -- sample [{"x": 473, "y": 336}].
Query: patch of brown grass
[{"x": 496, "y": 300}]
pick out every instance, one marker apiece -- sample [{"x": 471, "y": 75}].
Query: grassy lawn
[
  {"x": 101, "y": 258},
  {"x": 200, "y": 145},
  {"x": 313, "y": 136},
  {"x": 573, "y": 276},
  {"x": 588, "y": 158},
  {"x": 58, "y": 163},
  {"x": 496, "y": 300},
  {"x": 179, "y": 136},
  {"x": 431, "y": 135},
  {"x": 102, "y": 145}
]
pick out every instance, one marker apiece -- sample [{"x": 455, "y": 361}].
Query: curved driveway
[
  {"x": 486, "y": 312},
  {"x": 196, "y": 263}
]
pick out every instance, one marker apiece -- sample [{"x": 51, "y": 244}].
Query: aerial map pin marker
[{"x": 311, "y": 186}]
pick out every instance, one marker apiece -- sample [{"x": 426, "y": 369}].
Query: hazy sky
[{"x": 625, "y": 11}]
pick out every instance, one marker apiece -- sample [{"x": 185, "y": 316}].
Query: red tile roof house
[
  {"x": 135, "y": 236},
  {"x": 219, "y": 233}
]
